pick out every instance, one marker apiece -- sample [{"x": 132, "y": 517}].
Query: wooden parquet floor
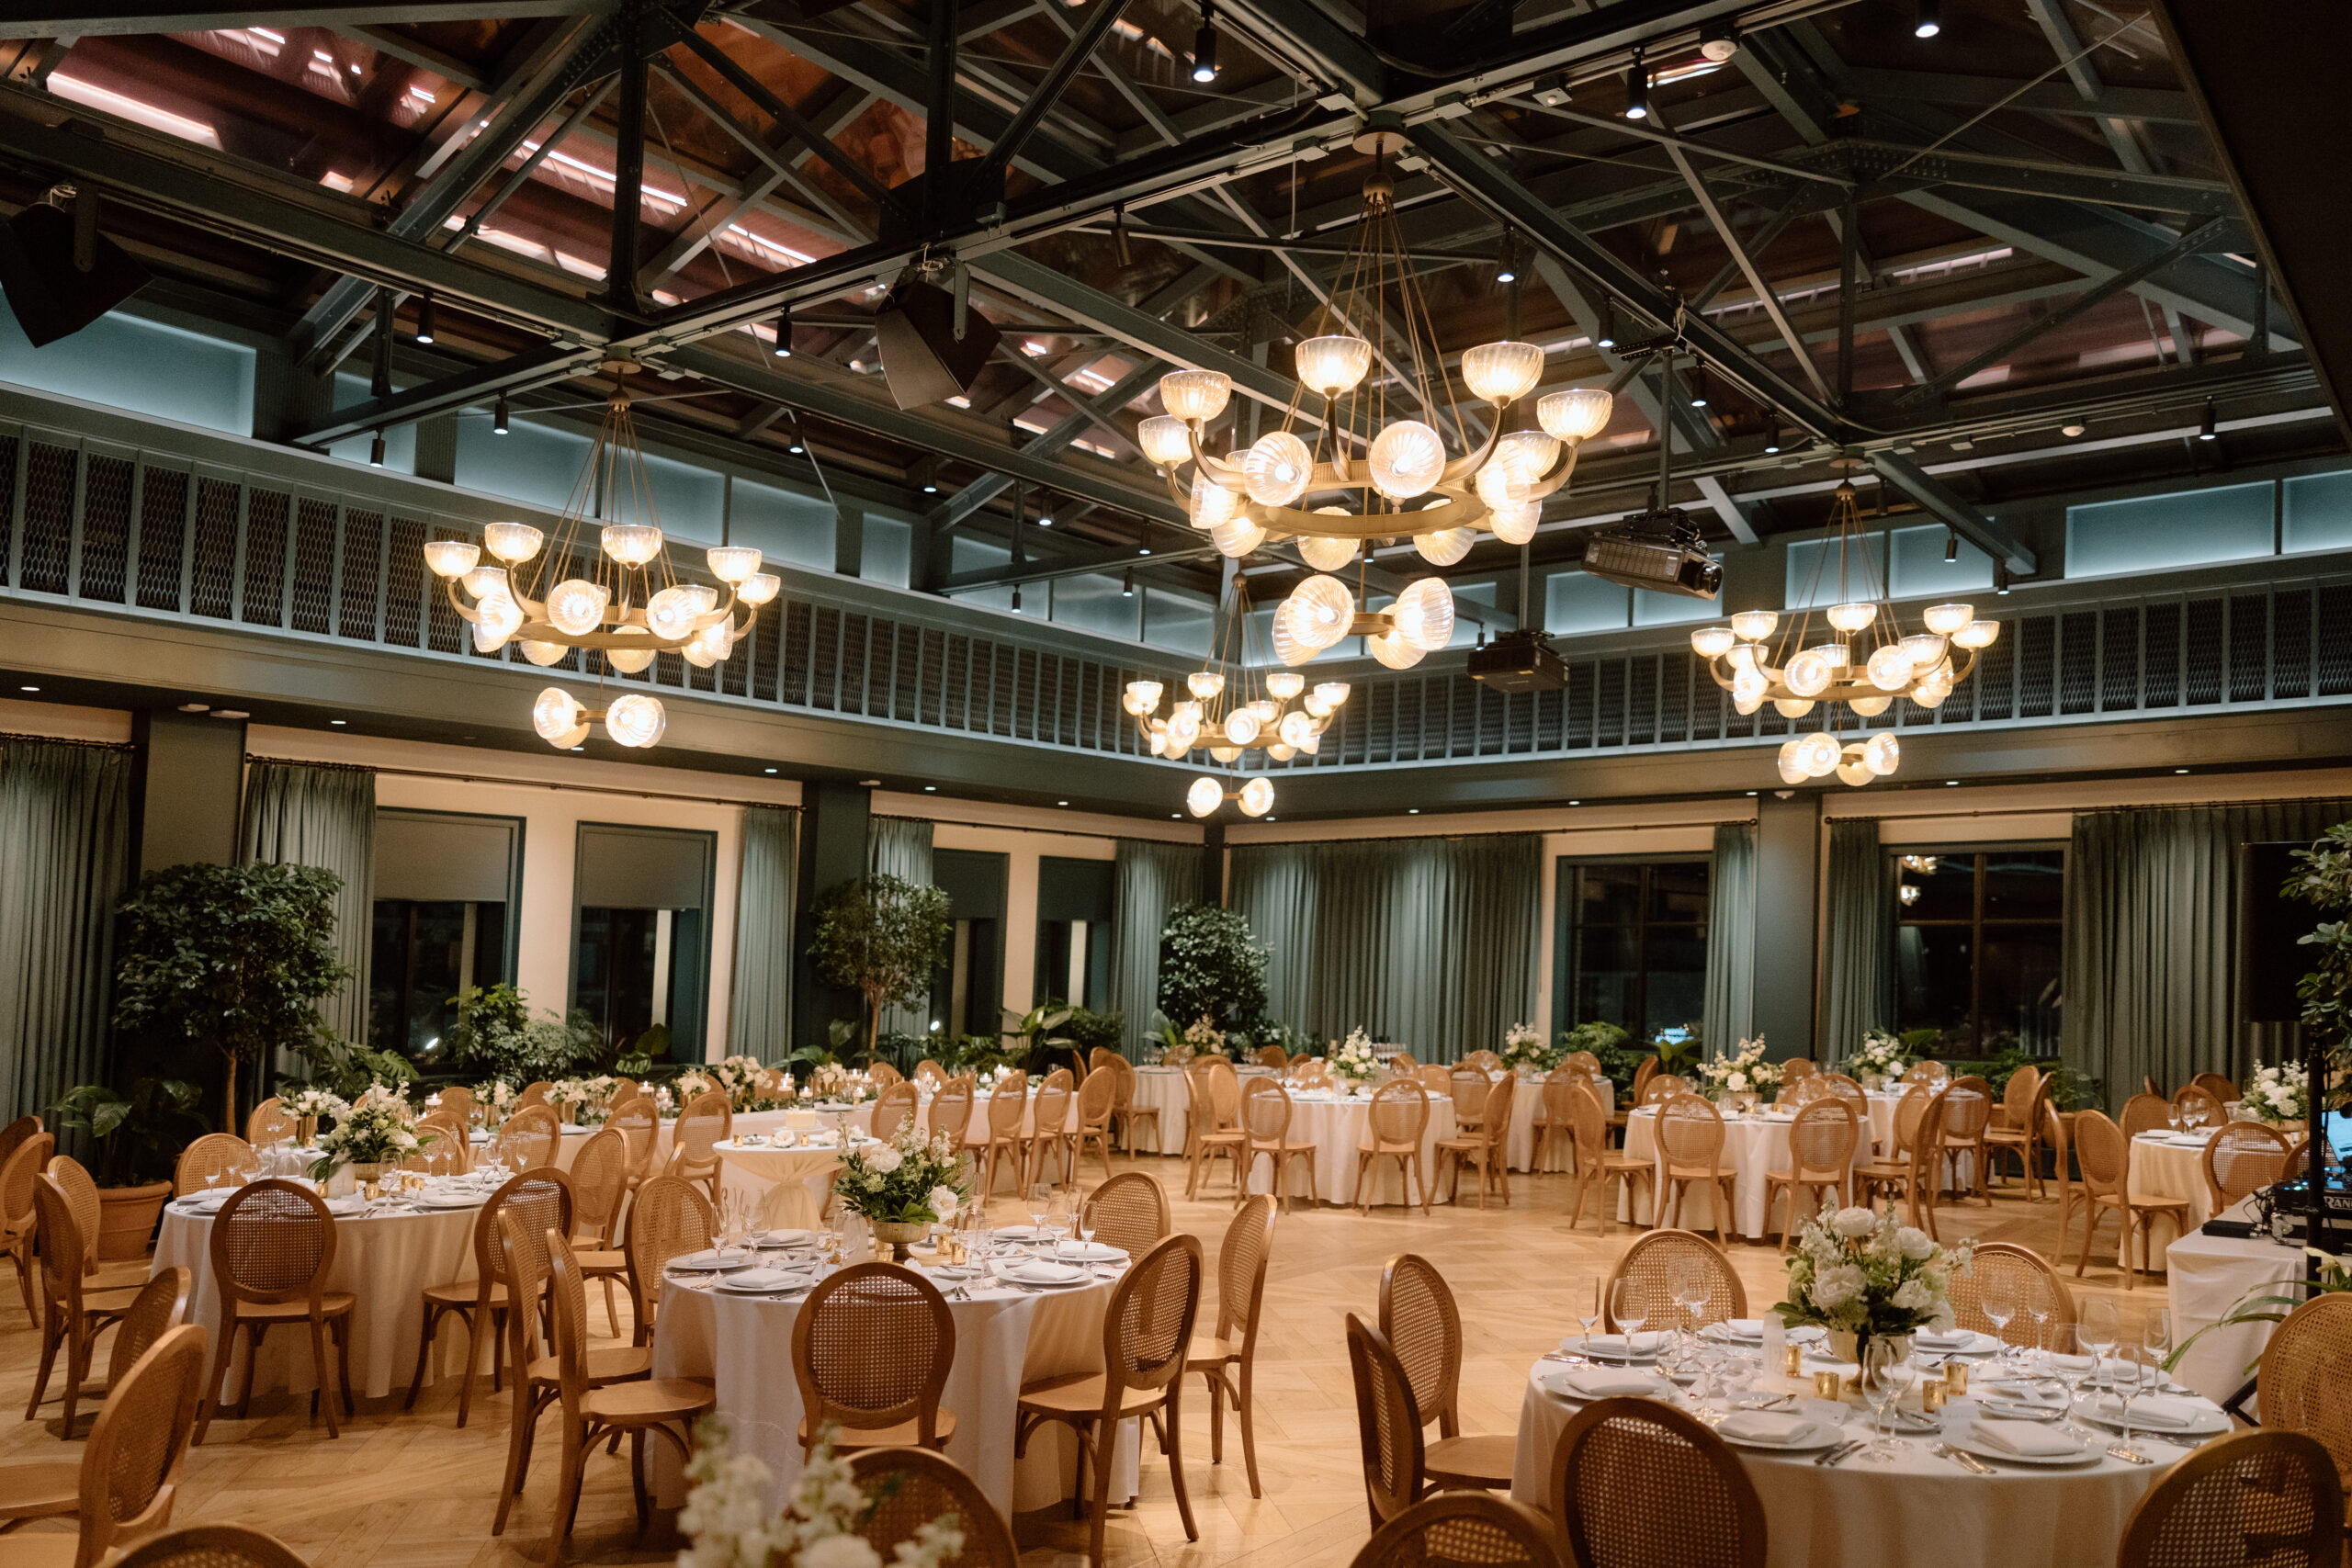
[{"x": 409, "y": 1490}]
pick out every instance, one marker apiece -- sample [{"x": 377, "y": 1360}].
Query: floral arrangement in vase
[
  {"x": 832, "y": 1080},
  {"x": 378, "y": 1129},
  {"x": 1356, "y": 1058},
  {"x": 988, "y": 1082},
  {"x": 585, "y": 1102},
  {"x": 902, "y": 1187},
  {"x": 1744, "y": 1071},
  {"x": 1862, "y": 1275},
  {"x": 1880, "y": 1053},
  {"x": 1205, "y": 1038},
  {"x": 495, "y": 1099},
  {"x": 1523, "y": 1046},
  {"x": 2279, "y": 1095},
  {"x": 309, "y": 1106},
  {"x": 726, "y": 1517}
]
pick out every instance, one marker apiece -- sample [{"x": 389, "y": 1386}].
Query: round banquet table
[
  {"x": 1335, "y": 1125},
  {"x": 1003, "y": 1338},
  {"x": 791, "y": 1184},
  {"x": 385, "y": 1258},
  {"x": 1753, "y": 1145},
  {"x": 1918, "y": 1511},
  {"x": 2172, "y": 1165}
]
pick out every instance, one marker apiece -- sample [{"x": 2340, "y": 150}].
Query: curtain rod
[
  {"x": 534, "y": 783},
  {"x": 2090, "y": 810},
  {"x": 123, "y": 746},
  {"x": 332, "y": 767}
]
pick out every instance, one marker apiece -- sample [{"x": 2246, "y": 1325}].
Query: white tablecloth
[
  {"x": 385, "y": 1260},
  {"x": 1002, "y": 1339},
  {"x": 1336, "y": 1128},
  {"x": 2163, "y": 1168},
  {"x": 1752, "y": 1146},
  {"x": 791, "y": 1184},
  {"x": 1164, "y": 1090},
  {"x": 2210, "y": 1274},
  {"x": 1918, "y": 1512}
]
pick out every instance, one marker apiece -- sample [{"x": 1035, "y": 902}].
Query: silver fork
[
  {"x": 1841, "y": 1452},
  {"x": 1966, "y": 1461}
]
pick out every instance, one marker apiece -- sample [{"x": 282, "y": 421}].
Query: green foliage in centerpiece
[
  {"x": 1867, "y": 1275},
  {"x": 379, "y": 1128},
  {"x": 911, "y": 1180}
]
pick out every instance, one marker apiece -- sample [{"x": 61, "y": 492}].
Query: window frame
[
  {"x": 1975, "y": 923},
  {"x": 585, "y": 830},
  {"x": 1564, "y": 926},
  {"x": 510, "y": 965}
]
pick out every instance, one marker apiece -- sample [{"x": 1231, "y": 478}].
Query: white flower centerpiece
[
  {"x": 1205, "y": 1038},
  {"x": 308, "y": 1105},
  {"x": 378, "y": 1129},
  {"x": 495, "y": 1100},
  {"x": 1524, "y": 1049},
  {"x": 903, "y": 1186},
  {"x": 2280, "y": 1095},
  {"x": 1881, "y": 1056},
  {"x": 1356, "y": 1059},
  {"x": 585, "y": 1102},
  {"x": 1742, "y": 1076},
  {"x": 1863, "y": 1276},
  {"x": 726, "y": 1514}
]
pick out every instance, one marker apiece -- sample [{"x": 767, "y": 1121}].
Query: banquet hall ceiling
[{"x": 2012, "y": 242}]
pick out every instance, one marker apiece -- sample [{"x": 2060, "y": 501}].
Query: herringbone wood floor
[{"x": 409, "y": 1490}]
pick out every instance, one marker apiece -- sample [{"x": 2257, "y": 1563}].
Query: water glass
[
  {"x": 1587, "y": 1309},
  {"x": 1631, "y": 1309}
]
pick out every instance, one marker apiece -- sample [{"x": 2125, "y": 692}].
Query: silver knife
[
  {"x": 1967, "y": 1462},
  {"x": 2129, "y": 1456},
  {"x": 1842, "y": 1451}
]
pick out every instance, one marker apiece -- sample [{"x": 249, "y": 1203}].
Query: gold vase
[
  {"x": 306, "y": 1130},
  {"x": 900, "y": 1234},
  {"x": 1848, "y": 1346}
]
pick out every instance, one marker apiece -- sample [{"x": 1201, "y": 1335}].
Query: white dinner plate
[
  {"x": 1960, "y": 1342},
  {"x": 1089, "y": 1252},
  {"x": 1823, "y": 1438},
  {"x": 1024, "y": 1233},
  {"x": 713, "y": 1260},
  {"x": 784, "y": 1238},
  {"x": 1750, "y": 1331},
  {"x": 765, "y": 1281},
  {"x": 2210, "y": 1423},
  {"x": 1608, "y": 1347},
  {"x": 1972, "y": 1444}
]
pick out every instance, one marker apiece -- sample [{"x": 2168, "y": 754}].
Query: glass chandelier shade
[
  {"x": 1502, "y": 373},
  {"x": 1443, "y": 547},
  {"x": 1277, "y": 468},
  {"x": 1406, "y": 459},
  {"x": 1333, "y": 364},
  {"x": 1326, "y": 555},
  {"x": 1166, "y": 440},
  {"x": 1575, "y": 416}
]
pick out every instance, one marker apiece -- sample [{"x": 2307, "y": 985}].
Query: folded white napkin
[
  {"x": 711, "y": 1257},
  {"x": 1735, "y": 1328},
  {"x": 2154, "y": 1410},
  {"x": 1597, "y": 1382},
  {"x": 1958, "y": 1339},
  {"x": 763, "y": 1279},
  {"x": 2029, "y": 1439},
  {"x": 1605, "y": 1346},
  {"x": 1768, "y": 1427},
  {"x": 1039, "y": 1271}
]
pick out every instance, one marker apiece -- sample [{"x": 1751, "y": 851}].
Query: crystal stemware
[{"x": 1631, "y": 1308}]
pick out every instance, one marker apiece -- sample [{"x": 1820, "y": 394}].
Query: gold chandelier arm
[
  {"x": 1462, "y": 510},
  {"x": 459, "y": 605},
  {"x": 1464, "y": 467},
  {"x": 1549, "y": 484},
  {"x": 1219, "y": 470},
  {"x": 724, "y": 612}
]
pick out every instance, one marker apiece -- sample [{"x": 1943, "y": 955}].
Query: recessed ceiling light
[
  {"x": 1751, "y": 792},
  {"x": 1412, "y": 811},
  {"x": 230, "y": 713},
  {"x": 771, "y": 769},
  {"x": 931, "y": 489},
  {"x": 1175, "y": 817},
  {"x": 2175, "y": 770},
  {"x": 580, "y": 748},
  {"x": 196, "y": 708},
  {"x": 1575, "y": 802},
  {"x": 931, "y": 789},
  {"x": 29, "y": 688},
  {"x": 1949, "y": 782},
  {"x": 338, "y": 721},
  {"x": 870, "y": 783},
  {"x": 1066, "y": 803}
]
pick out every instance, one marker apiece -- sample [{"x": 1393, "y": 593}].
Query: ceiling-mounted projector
[{"x": 1661, "y": 549}]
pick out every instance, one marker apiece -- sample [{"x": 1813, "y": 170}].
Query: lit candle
[{"x": 1956, "y": 1377}]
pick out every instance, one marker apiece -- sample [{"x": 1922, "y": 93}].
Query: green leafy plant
[
  {"x": 1031, "y": 1038},
  {"x": 1607, "y": 1044},
  {"x": 344, "y": 1068},
  {"x": 2322, "y": 878},
  {"x": 494, "y": 1036},
  {"x": 881, "y": 938},
  {"x": 234, "y": 958},
  {"x": 1679, "y": 1056},
  {"x": 138, "y": 1136},
  {"x": 1211, "y": 966}
]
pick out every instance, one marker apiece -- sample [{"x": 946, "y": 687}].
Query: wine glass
[
  {"x": 1681, "y": 1279},
  {"x": 1631, "y": 1308},
  {"x": 1041, "y": 1207},
  {"x": 1081, "y": 1222},
  {"x": 2129, "y": 1374},
  {"x": 1999, "y": 1300},
  {"x": 1588, "y": 1310},
  {"x": 2040, "y": 1306},
  {"x": 2156, "y": 1338},
  {"x": 2070, "y": 1363},
  {"x": 1887, "y": 1372}
]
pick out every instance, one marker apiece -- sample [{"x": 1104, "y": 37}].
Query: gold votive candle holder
[
  {"x": 1793, "y": 1359},
  {"x": 1955, "y": 1378},
  {"x": 1826, "y": 1385},
  {"x": 1931, "y": 1395}
]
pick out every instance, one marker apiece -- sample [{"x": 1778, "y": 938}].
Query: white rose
[
  {"x": 1834, "y": 1287},
  {"x": 885, "y": 1159},
  {"x": 1917, "y": 1244},
  {"x": 1913, "y": 1295},
  {"x": 840, "y": 1552},
  {"x": 942, "y": 1203},
  {"x": 1738, "y": 1083},
  {"x": 1854, "y": 1222}
]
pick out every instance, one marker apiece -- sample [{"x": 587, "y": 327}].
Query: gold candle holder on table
[
  {"x": 1931, "y": 1395},
  {"x": 1955, "y": 1378},
  {"x": 1792, "y": 1358},
  {"x": 1827, "y": 1385}
]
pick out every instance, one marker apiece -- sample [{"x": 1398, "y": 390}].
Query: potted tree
[
  {"x": 1211, "y": 967},
  {"x": 234, "y": 958},
  {"x": 881, "y": 937},
  {"x": 135, "y": 1140}
]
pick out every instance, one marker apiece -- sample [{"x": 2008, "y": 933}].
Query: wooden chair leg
[
  {"x": 52, "y": 1316},
  {"x": 319, "y": 1371}
]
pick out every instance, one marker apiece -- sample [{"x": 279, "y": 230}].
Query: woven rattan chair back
[
  {"x": 1225, "y": 1094},
  {"x": 1842, "y": 1087},
  {"x": 1460, "y": 1529},
  {"x": 1265, "y": 1111},
  {"x": 2144, "y": 1113},
  {"x": 1097, "y": 1097},
  {"x": 706, "y": 1120},
  {"x": 1662, "y": 1088},
  {"x": 1273, "y": 1056},
  {"x": 61, "y": 1245},
  {"x": 951, "y": 1109},
  {"x": 624, "y": 1090},
  {"x": 1241, "y": 1261},
  {"x": 1148, "y": 1326},
  {"x": 1909, "y": 1112},
  {"x": 2304, "y": 1381},
  {"x": 15, "y": 1132},
  {"x": 1639, "y": 1484},
  {"x": 1558, "y": 1085},
  {"x": 1008, "y": 1103},
  {"x": 895, "y": 1109},
  {"x": 523, "y": 1260},
  {"x": 1690, "y": 1133},
  {"x": 2017, "y": 1097},
  {"x": 2220, "y": 1088},
  {"x": 2100, "y": 1150},
  {"x": 81, "y": 1190},
  {"x": 16, "y": 1175},
  {"x": 268, "y": 1123},
  {"x": 1130, "y": 1211},
  {"x": 1063, "y": 1078},
  {"x": 1484, "y": 1061},
  {"x": 1469, "y": 1087},
  {"x": 2033, "y": 1282},
  {"x": 441, "y": 1149},
  {"x": 2268, "y": 1499},
  {"x": 871, "y": 1347},
  {"x": 459, "y": 1103},
  {"x": 599, "y": 1183},
  {"x": 130, "y": 1470},
  {"x": 1644, "y": 1070},
  {"x": 2195, "y": 1106},
  {"x": 1798, "y": 1068},
  {"x": 1926, "y": 1073},
  {"x": 223, "y": 1152},
  {"x": 1389, "y": 1423},
  {"x": 1399, "y": 1114},
  {"x": 668, "y": 1218},
  {"x": 1124, "y": 1096},
  {"x": 568, "y": 1320},
  {"x": 1437, "y": 1080},
  {"x": 1099, "y": 1058},
  {"x": 1500, "y": 1102},
  {"x": 160, "y": 1307},
  {"x": 2242, "y": 1159},
  {"x": 212, "y": 1546},
  {"x": 1590, "y": 1123},
  {"x": 272, "y": 1241},
  {"x": 535, "y": 1093},
  {"x": 930, "y": 1074},
  {"x": 1053, "y": 1110},
  {"x": 1822, "y": 1141},
  {"x": 543, "y": 1197},
  {"x": 1803, "y": 1092},
  {"x": 534, "y": 1135},
  {"x": 640, "y": 1121},
  {"x": 1583, "y": 1061},
  {"x": 1968, "y": 1110},
  {"x": 1401, "y": 1062},
  {"x": 1423, "y": 1328},
  {"x": 882, "y": 1074},
  {"x": 1650, "y": 1264},
  {"x": 908, "y": 1488}
]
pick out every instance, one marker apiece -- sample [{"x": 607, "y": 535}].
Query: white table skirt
[
  {"x": 2161, "y": 1168},
  {"x": 1336, "y": 1128},
  {"x": 384, "y": 1260},
  {"x": 1753, "y": 1145},
  {"x": 1163, "y": 1089},
  {"x": 2210, "y": 1274},
  {"x": 1002, "y": 1340},
  {"x": 791, "y": 1185},
  {"x": 1918, "y": 1512}
]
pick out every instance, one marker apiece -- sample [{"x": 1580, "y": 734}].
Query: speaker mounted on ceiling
[
  {"x": 59, "y": 273},
  {"x": 924, "y": 358}
]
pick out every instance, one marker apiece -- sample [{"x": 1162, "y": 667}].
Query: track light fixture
[
  {"x": 1016, "y": 598},
  {"x": 1771, "y": 431},
  {"x": 497, "y": 416},
  {"x": 375, "y": 451},
  {"x": 1205, "y": 46},
  {"x": 783, "y": 349},
  {"x": 1929, "y": 19},
  {"x": 1605, "y": 334},
  {"x": 1128, "y": 584},
  {"x": 1506, "y": 257},
  {"x": 1719, "y": 40},
  {"x": 1951, "y": 544},
  {"x": 1637, "y": 89},
  {"x": 2207, "y": 429},
  {"x": 424, "y": 319},
  {"x": 2001, "y": 579},
  {"x": 1698, "y": 386},
  {"x": 1553, "y": 91}
]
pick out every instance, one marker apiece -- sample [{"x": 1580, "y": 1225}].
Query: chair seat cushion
[
  {"x": 1206, "y": 1350},
  {"x": 465, "y": 1292},
  {"x": 1080, "y": 1393},
  {"x": 1484, "y": 1460},
  {"x": 900, "y": 1434},
  {"x": 333, "y": 1303},
  {"x": 1700, "y": 1173},
  {"x": 607, "y": 1363},
  {"x": 653, "y": 1400},
  {"x": 41, "y": 1490}
]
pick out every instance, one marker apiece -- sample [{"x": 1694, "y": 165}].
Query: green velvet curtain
[
  {"x": 1428, "y": 943},
  {"x": 64, "y": 866},
  {"x": 759, "y": 1015},
  {"x": 1152, "y": 879},
  {"x": 2152, "y": 939},
  {"x": 1858, "y": 963},
  {"x": 297, "y": 814},
  {"x": 900, "y": 847},
  {"x": 1731, "y": 935}
]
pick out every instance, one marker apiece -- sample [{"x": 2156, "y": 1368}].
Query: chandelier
[
  {"x": 621, "y": 600},
  {"x": 1860, "y": 663},
  {"x": 1337, "y": 480},
  {"x": 1229, "y": 718}
]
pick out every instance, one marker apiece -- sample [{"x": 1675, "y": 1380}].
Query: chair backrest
[
  {"x": 1469, "y": 1087},
  {"x": 534, "y": 1133},
  {"x": 1097, "y": 1097},
  {"x": 1423, "y": 1328},
  {"x": 668, "y": 1218},
  {"x": 1650, "y": 1262},
  {"x": 535, "y": 1093},
  {"x": 1558, "y": 1085},
  {"x": 1583, "y": 1061},
  {"x": 74, "y": 1179},
  {"x": 1926, "y": 1073},
  {"x": 2101, "y": 1151},
  {"x": 951, "y": 1108},
  {"x": 212, "y": 1546},
  {"x": 1661, "y": 1088},
  {"x": 1148, "y": 1326},
  {"x": 130, "y": 1470},
  {"x": 1052, "y": 1107},
  {"x": 15, "y": 1134},
  {"x": 2142, "y": 1113},
  {"x": 1389, "y": 1423},
  {"x": 61, "y": 1246},
  {"x": 1842, "y": 1087},
  {"x": 1798, "y": 1067},
  {"x": 894, "y": 1109},
  {"x": 1273, "y": 1056},
  {"x": 1462, "y": 1528},
  {"x": 2029, "y": 1278},
  {"x": 870, "y": 1347},
  {"x": 2196, "y": 1106},
  {"x": 882, "y": 1074},
  {"x": 708, "y": 1118},
  {"x": 1690, "y": 1132},
  {"x": 2271, "y": 1499},
  {"x": 2305, "y": 1371},
  {"x": 1822, "y": 1140},
  {"x": 1644, "y": 1070},
  {"x": 1124, "y": 1094},
  {"x": 1008, "y": 1103},
  {"x": 1265, "y": 1111},
  {"x": 459, "y": 1102},
  {"x": 523, "y": 1256},
  {"x": 930, "y": 1074},
  {"x": 16, "y": 1175},
  {"x": 1484, "y": 1061},
  {"x": 1130, "y": 1211},
  {"x": 1401, "y": 1062},
  {"x": 1398, "y": 1114},
  {"x": 447, "y": 1151},
  {"x": 223, "y": 1152},
  {"x": 599, "y": 1181},
  {"x": 2055, "y": 1136},
  {"x": 2017, "y": 1097},
  {"x": 2241, "y": 1159},
  {"x": 1968, "y": 1109},
  {"x": 272, "y": 1241},
  {"x": 568, "y": 1321},
  {"x": 1434, "y": 1078},
  {"x": 1494, "y": 1125},
  {"x": 640, "y": 1121},
  {"x": 1102, "y": 1056},
  {"x": 1592, "y": 1125},
  {"x": 268, "y": 1123},
  {"x": 541, "y": 1196},
  {"x": 624, "y": 1090},
  {"x": 1639, "y": 1484},
  {"x": 908, "y": 1488},
  {"x": 2220, "y": 1088},
  {"x": 1241, "y": 1271},
  {"x": 160, "y": 1307},
  {"x": 1908, "y": 1111}
]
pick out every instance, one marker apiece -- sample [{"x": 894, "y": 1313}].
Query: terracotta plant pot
[{"x": 127, "y": 1219}]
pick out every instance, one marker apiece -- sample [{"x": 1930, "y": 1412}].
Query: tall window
[
  {"x": 1977, "y": 948},
  {"x": 640, "y": 957},
  {"x": 1632, "y": 948},
  {"x": 446, "y": 890}
]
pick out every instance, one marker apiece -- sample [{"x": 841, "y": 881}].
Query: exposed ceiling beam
[
  {"x": 1945, "y": 507},
  {"x": 46, "y": 18},
  {"x": 988, "y": 487},
  {"x": 1118, "y": 559},
  {"x": 1299, "y": 34},
  {"x": 1907, "y": 88}
]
